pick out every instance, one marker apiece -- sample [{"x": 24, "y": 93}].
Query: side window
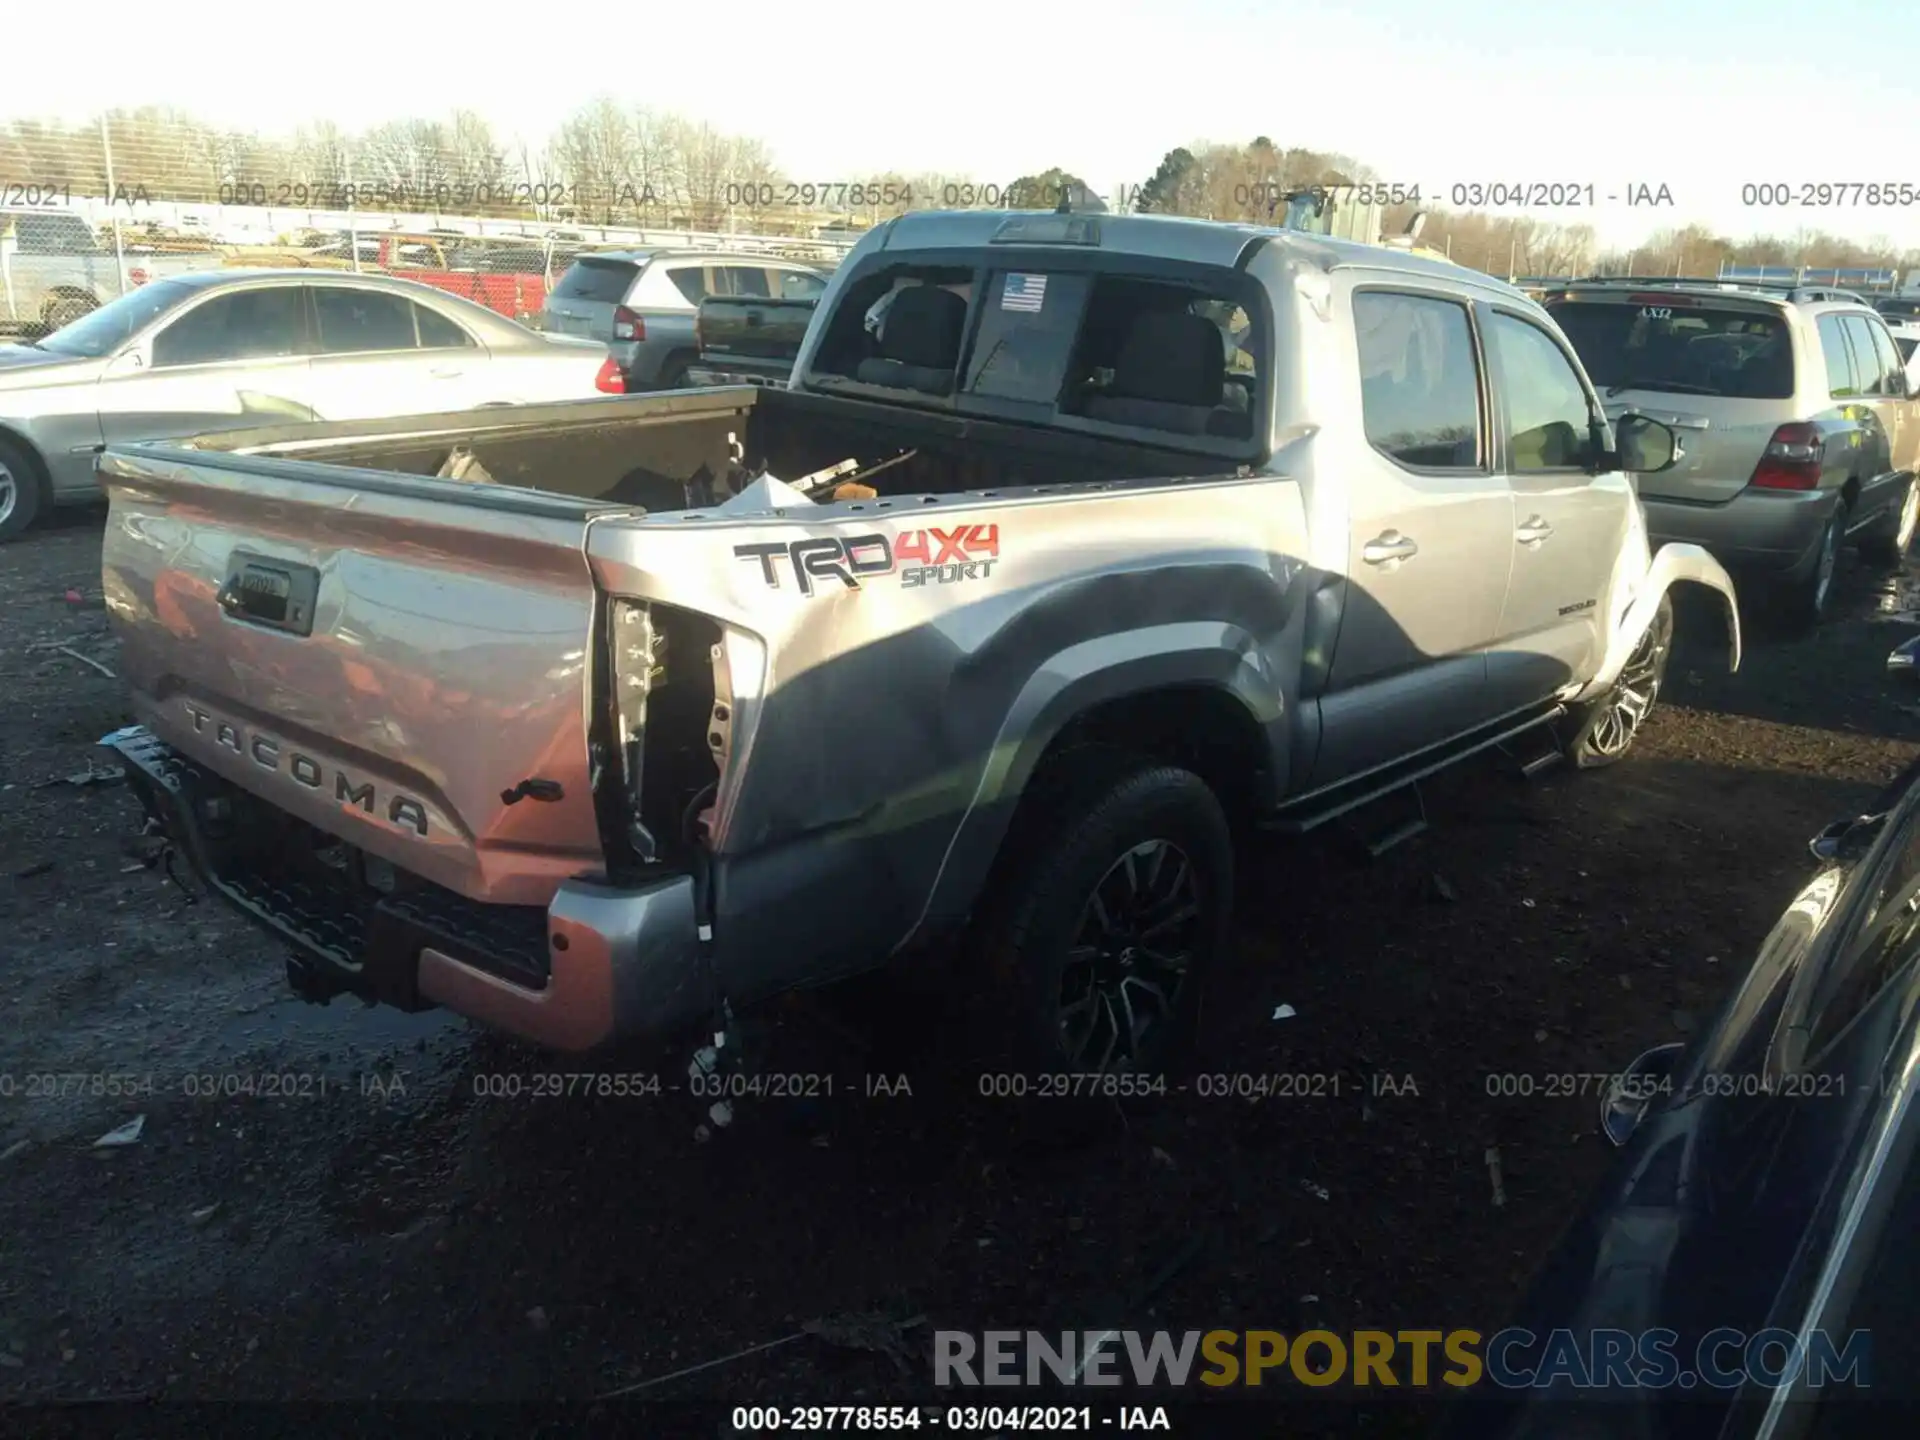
[
  {"x": 356, "y": 322},
  {"x": 748, "y": 281},
  {"x": 1548, "y": 415},
  {"x": 799, "y": 285},
  {"x": 439, "y": 333},
  {"x": 690, "y": 281},
  {"x": 259, "y": 324},
  {"x": 1866, "y": 360},
  {"x": 1841, "y": 384},
  {"x": 1419, "y": 381}
]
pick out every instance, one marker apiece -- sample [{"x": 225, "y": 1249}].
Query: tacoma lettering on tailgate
[{"x": 271, "y": 754}]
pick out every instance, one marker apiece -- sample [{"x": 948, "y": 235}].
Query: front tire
[
  {"x": 1111, "y": 905},
  {"x": 22, "y": 496},
  {"x": 1605, "y": 728}
]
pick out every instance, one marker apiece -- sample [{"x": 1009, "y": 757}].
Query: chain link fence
[{"x": 88, "y": 213}]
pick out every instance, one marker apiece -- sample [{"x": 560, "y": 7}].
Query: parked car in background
[
  {"x": 643, "y": 304},
  {"x": 1794, "y": 411},
  {"x": 54, "y": 269},
  {"x": 1112, "y": 585},
  {"x": 227, "y": 349},
  {"x": 512, "y": 286},
  {"x": 1767, "y": 1184},
  {"x": 748, "y": 342}
]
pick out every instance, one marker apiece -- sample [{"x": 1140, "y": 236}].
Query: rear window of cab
[{"x": 1075, "y": 347}]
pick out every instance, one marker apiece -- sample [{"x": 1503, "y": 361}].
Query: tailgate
[
  {"x": 379, "y": 655},
  {"x": 1721, "y": 439},
  {"x": 1716, "y": 366}
]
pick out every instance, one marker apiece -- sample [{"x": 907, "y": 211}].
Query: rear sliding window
[
  {"x": 1667, "y": 343},
  {"x": 1146, "y": 354},
  {"x": 602, "y": 281}
]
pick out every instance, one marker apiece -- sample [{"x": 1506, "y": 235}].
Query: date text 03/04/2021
[{"x": 962, "y": 1419}]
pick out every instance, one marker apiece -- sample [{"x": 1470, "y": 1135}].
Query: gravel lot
[{"x": 389, "y": 1231}]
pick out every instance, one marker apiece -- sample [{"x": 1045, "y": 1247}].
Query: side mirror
[
  {"x": 1846, "y": 839},
  {"x": 1645, "y": 446},
  {"x": 131, "y": 361},
  {"x": 1625, "y": 1101},
  {"x": 1905, "y": 659}
]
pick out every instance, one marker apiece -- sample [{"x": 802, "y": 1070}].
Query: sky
[{"x": 1699, "y": 97}]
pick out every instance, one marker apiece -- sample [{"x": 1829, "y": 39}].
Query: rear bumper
[
  {"x": 597, "y": 964},
  {"x": 1755, "y": 531}
]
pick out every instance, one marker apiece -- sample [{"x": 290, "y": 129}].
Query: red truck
[{"x": 507, "y": 279}]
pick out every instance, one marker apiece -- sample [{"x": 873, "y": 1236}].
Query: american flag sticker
[{"x": 1024, "y": 292}]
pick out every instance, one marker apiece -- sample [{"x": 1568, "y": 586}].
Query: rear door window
[
  {"x": 1892, "y": 363},
  {"x": 604, "y": 282},
  {"x": 1419, "y": 380},
  {"x": 1876, "y": 375},
  {"x": 1842, "y": 382},
  {"x": 1673, "y": 343},
  {"x": 439, "y": 333},
  {"x": 359, "y": 322}
]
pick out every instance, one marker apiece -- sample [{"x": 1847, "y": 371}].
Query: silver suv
[
  {"x": 642, "y": 304},
  {"x": 1794, "y": 410}
]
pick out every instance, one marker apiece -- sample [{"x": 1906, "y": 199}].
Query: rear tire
[
  {"x": 673, "y": 374},
  {"x": 1605, "y": 728},
  {"x": 1888, "y": 546},
  {"x": 22, "y": 493},
  {"x": 1805, "y": 602},
  {"x": 1111, "y": 904}
]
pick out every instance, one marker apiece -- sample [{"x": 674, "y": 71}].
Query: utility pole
[
  {"x": 113, "y": 216},
  {"x": 353, "y": 223}
]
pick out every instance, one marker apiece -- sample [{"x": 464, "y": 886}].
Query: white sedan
[{"x": 233, "y": 349}]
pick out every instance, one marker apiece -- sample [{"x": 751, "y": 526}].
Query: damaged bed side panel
[{"x": 877, "y": 651}]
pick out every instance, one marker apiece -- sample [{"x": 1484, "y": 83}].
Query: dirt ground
[{"x": 390, "y": 1231}]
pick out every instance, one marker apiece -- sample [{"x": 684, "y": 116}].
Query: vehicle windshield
[
  {"x": 1674, "y": 344},
  {"x": 105, "y": 330}
]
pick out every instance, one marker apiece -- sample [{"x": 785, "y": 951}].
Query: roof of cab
[{"x": 1179, "y": 237}]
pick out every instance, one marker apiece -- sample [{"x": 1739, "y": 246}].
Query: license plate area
[{"x": 274, "y": 594}]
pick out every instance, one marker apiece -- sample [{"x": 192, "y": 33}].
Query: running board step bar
[{"x": 1310, "y": 812}]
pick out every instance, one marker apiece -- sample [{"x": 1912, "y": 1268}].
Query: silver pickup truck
[
  {"x": 54, "y": 269},
  {"x": 1074, "y": 538}
]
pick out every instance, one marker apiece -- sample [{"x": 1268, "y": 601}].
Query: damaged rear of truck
[{"x": 583, "y": 722}]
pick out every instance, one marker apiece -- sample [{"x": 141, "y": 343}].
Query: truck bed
[
  {"x": 320, "y": 619},
  {"x": 641, "y": 450}
]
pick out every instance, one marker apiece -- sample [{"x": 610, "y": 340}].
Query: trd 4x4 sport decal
[{"x": 918, "y": 557}]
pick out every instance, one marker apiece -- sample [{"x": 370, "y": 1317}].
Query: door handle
[
  {"x": 1533, "y": 531},
  {"x": 444, "y": 374},
  {"x": 1387, "y": 547}
]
